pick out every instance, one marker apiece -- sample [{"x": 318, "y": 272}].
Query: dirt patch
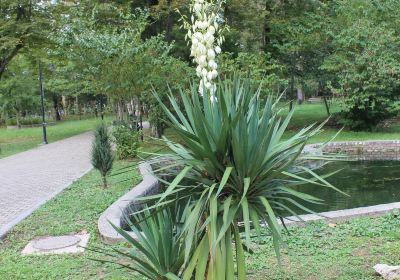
[{"x": 361, "y": 252}]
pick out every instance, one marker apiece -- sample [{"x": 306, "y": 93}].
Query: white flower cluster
[{"x": 205, "y": 46}]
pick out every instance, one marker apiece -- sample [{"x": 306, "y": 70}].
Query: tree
[
  {"x": 365, "y": 60},
  {"x": 298, "y": 38},
  {"x": 19, "y": 90},
  {"x": 102, "y": 154},
  {"x": 23, "y": 24},
  {"x": 101, "y": 51}
]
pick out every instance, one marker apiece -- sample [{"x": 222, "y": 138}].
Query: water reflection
[{"x": 367, "y": 182}]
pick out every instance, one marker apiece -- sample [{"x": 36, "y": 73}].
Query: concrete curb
[
  {"x": 371, "y": 211},
  {"x": 114, "y": 214}
]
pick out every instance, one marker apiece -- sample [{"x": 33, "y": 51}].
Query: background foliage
[{"x": 107, "y": 55}]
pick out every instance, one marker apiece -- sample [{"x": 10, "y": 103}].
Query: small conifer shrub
[{"x": 102, "y": 154}]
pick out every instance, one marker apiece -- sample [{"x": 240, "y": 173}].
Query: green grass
[
  {"x": 318, "y": 252},
  {"x": 76, "y": 209},
  {"x": 14, "y": 141},
  {"x": 306, "y": 114}
]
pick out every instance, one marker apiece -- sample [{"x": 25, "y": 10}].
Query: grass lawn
[
  {"x": 14, "y": 141},
  {"x": 318, "y": 252},
  {"x": 75, "y": 209},
  {"x": 306, "y": 114}
]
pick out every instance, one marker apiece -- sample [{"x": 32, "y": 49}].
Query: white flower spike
[{"x": 205, "y": 38}]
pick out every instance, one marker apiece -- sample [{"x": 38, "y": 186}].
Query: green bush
[
  {"x": 102, "y": 154},
  {"x": 364, "y": 64},
  {"x": 367, "y": 111},
  {"x": 159, "y": 238},
  {"x": 24, "y": 121},
  {"x": 126, "y": 140},
  {"x": 238, "y": 173},
  {"x": 11, "y": 121},
  {"x": 30, "y": 120}
]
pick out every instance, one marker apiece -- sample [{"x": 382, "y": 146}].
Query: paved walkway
[{"x": 29, "y": 179}]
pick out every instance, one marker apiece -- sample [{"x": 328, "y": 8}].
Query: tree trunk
[
  {"x": 266, "y": 29},
  {"x": 17, "y": 119},
  {"x": 291, "y": 91},
  {"x": 104, "y": 182},
  {"x": 159, "y": 130},
  {"x": 56, "y": 109},
  {"x": 4, "y": 62},
  {"x": 169, "y": 23},
  {"x": 326, "y": 106},
  {"x": 101, "y": 108},
  {"x": 77, "y": 110},
  {"x": 120, "y": 111},
  {"x": 300, "y": 95}
]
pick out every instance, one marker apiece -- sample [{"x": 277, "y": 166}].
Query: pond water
[{"x": 367, "y": 182}]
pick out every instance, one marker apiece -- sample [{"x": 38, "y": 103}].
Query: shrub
[
  {"x": 158, "y": 238},
  {"x": 365, "y": 64},
  {"x": 238, "y": 174},
  {"x": 24, "y": 121},
  {"x": 365, "y": 112},
  {"x": 30, "y": 120},
  {"x": 102, "y": 154},
  {"x": 127, "y": 141},
  {"x": 11, "y": 121}
]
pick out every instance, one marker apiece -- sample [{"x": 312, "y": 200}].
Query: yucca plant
[
  {"x": 233, "y": 174},
  {"x": 239, "y": 169},
  {"x": 157, "y": 249}
]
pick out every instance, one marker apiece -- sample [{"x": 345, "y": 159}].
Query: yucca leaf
[
  {"x": 175, "y": 182},
  {"x": 326, "y": 183},
  {"x": 199, "y": 252},
  {"x": 229, "y": 266},
  {"x": 246, "y": 219},
  {"x": 241, "y": 262},
  {"x": 171, "y": 276},
  {"x": 224, "y": 179}
]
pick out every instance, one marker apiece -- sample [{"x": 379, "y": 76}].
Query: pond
[{"x": 367, "y": 182}]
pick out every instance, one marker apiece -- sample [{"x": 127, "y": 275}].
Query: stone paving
[{"x": 29, "y": 179}]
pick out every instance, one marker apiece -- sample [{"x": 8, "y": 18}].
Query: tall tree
[{"x": 23, "y": 24}]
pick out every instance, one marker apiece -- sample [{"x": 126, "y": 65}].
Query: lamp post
[{"x": 42, "y": 99}]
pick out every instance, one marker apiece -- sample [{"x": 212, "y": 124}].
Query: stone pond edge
[
  {"x": 360, "y": 150},
  {"x": 114, "y": 214}
]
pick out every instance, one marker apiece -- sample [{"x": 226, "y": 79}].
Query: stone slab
[
  {"x": 388, "y": 272},
  {"x": 55, "y": 245},
  {"x": 56, "y": 242}
]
